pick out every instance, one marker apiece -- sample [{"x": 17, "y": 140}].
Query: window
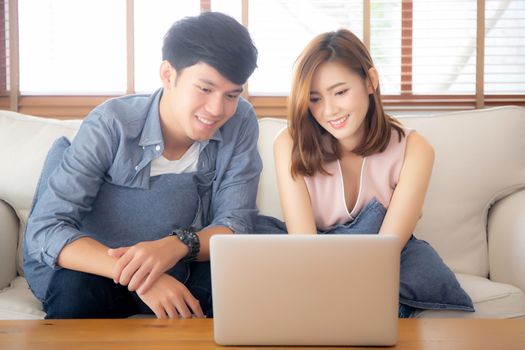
[
  {"x": 4, "y": 45},
  {"x": 149, "y": 35},
  {"x": 444, "y": 47},
  {"x": 232, "y": 8},
  {"x": 385, "y": 41},
  {"x": 62, "y": 57},
  {"x": 504, "y": 47},
  {"x": 72, "y": 47},
  {"x": 281, "y": 29}
]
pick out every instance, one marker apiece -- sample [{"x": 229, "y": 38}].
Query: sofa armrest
[
  {"x": 506, "y": 237},
  {"x": 8, "y": 242}
]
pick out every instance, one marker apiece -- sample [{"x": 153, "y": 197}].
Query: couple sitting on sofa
[{"x": 123, "y": 215}]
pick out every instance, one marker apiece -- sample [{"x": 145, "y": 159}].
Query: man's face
[{"x": 196, "y": 101}]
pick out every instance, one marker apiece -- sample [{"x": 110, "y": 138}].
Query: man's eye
[
  {"x": 204, "y": 89},
  {"x": 232, "y": 97}
]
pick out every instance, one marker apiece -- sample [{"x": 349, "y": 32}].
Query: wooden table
[{"x": 151, "y": 334}]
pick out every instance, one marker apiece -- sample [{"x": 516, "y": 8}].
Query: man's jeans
[{"x": 74, "y": 294}]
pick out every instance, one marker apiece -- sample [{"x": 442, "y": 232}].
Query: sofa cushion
[
  {"x": 491, "y": 300},
  {"x": 268, "y": 194},
  {"x": 479, "y": 160},
  {"x": 507, "y": 240},
  {"x": 427, "y": 283},
  {"x": 25, "y": 141},
  {"x": 8, "y": 243},
  {"x": 18, "y": 303}
]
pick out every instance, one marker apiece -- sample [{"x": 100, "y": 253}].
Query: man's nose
[{"x": 215, "y": 105}]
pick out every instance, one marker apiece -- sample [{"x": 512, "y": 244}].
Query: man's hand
[
  {"x": 140, "y": 265},
  {"x": 169, "y": 298}
]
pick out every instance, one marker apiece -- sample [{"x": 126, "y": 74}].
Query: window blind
[
  {"x": 429, "y": 53},
  {"x": 149, "y": 36},
  {"x": 72, "y": 47},
  {"x": 504, "y": 47},
  {"x": 4, "y": 44},
  {"x": 385, "y": 41},
  {"x": 444, "y": 47},
  {"x": 282, "y": 28}
]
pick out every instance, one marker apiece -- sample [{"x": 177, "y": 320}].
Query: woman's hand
[
  {"x": 140, "y": 265},
  {"x": 169, "y": 298}
]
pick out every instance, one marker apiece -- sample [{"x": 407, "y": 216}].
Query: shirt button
[
  {"x": 136, "y": 168},
  {"x": 157, "y": 148}
]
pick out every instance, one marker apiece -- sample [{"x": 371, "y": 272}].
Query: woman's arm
[
  {"x": 293, "y": 194},
  {"x": 407, "y": 201}
]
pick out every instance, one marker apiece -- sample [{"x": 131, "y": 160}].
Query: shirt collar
[{"x": 151, "y": 133}]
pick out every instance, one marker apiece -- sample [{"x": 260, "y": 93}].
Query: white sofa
[{"x": 474, "y": 213}]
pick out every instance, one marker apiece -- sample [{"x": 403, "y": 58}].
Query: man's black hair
[{"x": 213, "y": 38}]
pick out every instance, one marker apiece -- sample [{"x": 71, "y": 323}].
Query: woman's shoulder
[
  {"x": 400, "y": 142},
  {"x": 418, "y": 144},
  {"x": 283, "y": 139}
]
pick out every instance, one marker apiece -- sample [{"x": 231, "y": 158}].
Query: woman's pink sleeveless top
[{"x": 379, "y": 177}]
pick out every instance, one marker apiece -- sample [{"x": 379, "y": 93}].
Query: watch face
[{"x": 191, "y": 240}]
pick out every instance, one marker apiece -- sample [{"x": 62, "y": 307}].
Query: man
[{"x": 121, "y": 223}]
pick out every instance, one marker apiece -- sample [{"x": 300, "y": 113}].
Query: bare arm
[
  {"x": 140, "y": 265},
  {"x": 204, "y": 238},
  {"x": 293, "y": 194},
  {"x": 407, "y": 201},
  {"x": 87, "y": 255}
]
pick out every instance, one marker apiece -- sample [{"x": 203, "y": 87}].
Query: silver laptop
[{"x": 305, "y": 289}]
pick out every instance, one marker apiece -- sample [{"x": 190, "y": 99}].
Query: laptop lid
[{"x": 305, "y": 289}]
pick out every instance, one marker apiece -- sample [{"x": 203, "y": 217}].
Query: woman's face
[{"x": 339, "y": 102}]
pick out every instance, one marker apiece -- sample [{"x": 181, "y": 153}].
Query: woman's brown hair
[{"x": 309, "y": 151}]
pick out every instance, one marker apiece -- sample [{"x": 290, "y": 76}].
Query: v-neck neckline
[{"x": 351, "y": 213}]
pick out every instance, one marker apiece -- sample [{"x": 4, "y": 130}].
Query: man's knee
[
  {"x": 199, "y": 285},
  {"x": 74, "y": 294}
]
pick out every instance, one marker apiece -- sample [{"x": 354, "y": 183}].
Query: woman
[{"x": 344, "y": 166}]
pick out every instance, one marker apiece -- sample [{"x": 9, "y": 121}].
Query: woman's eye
[
  {"x": 341, "y": 92},
  {"x": 314, "y": 99}
]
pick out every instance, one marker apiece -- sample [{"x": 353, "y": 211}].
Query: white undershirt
[{"x": 186, "y": 164}]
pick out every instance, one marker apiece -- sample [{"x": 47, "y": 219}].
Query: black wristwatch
[{"x": 189, "y": 237}]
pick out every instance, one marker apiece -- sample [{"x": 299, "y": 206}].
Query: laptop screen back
[{"x": 305, "y": 289}]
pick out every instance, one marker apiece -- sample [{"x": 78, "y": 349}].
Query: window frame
[{"x": 77, "y": 106}]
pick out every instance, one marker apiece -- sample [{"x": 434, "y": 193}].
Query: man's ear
[
  {"x": 373, "y": 82},
  {"x": 168, "y": 75}
]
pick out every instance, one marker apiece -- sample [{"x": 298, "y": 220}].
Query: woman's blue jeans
[{"x": 425, "y": 281}]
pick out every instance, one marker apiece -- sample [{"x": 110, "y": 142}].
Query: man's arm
[
  {"x": 72, "y": 187},
  {"x": 204, "y": 238},
  {"x": 87, "y": 255},
  {"x": 234, "y": 198}
]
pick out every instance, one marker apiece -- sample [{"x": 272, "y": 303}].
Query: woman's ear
[
  {"x": 168, "y": 75},
  {"x": 373, "y": 82}
]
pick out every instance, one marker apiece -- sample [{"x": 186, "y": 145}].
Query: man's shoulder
[
  {"x": 244, "y": 115},
  {"x": 125, "y": 110},
  {"x": 245, "y": 108}
]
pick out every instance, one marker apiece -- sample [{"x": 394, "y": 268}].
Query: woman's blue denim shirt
[{"x": 115, "y": 144}]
